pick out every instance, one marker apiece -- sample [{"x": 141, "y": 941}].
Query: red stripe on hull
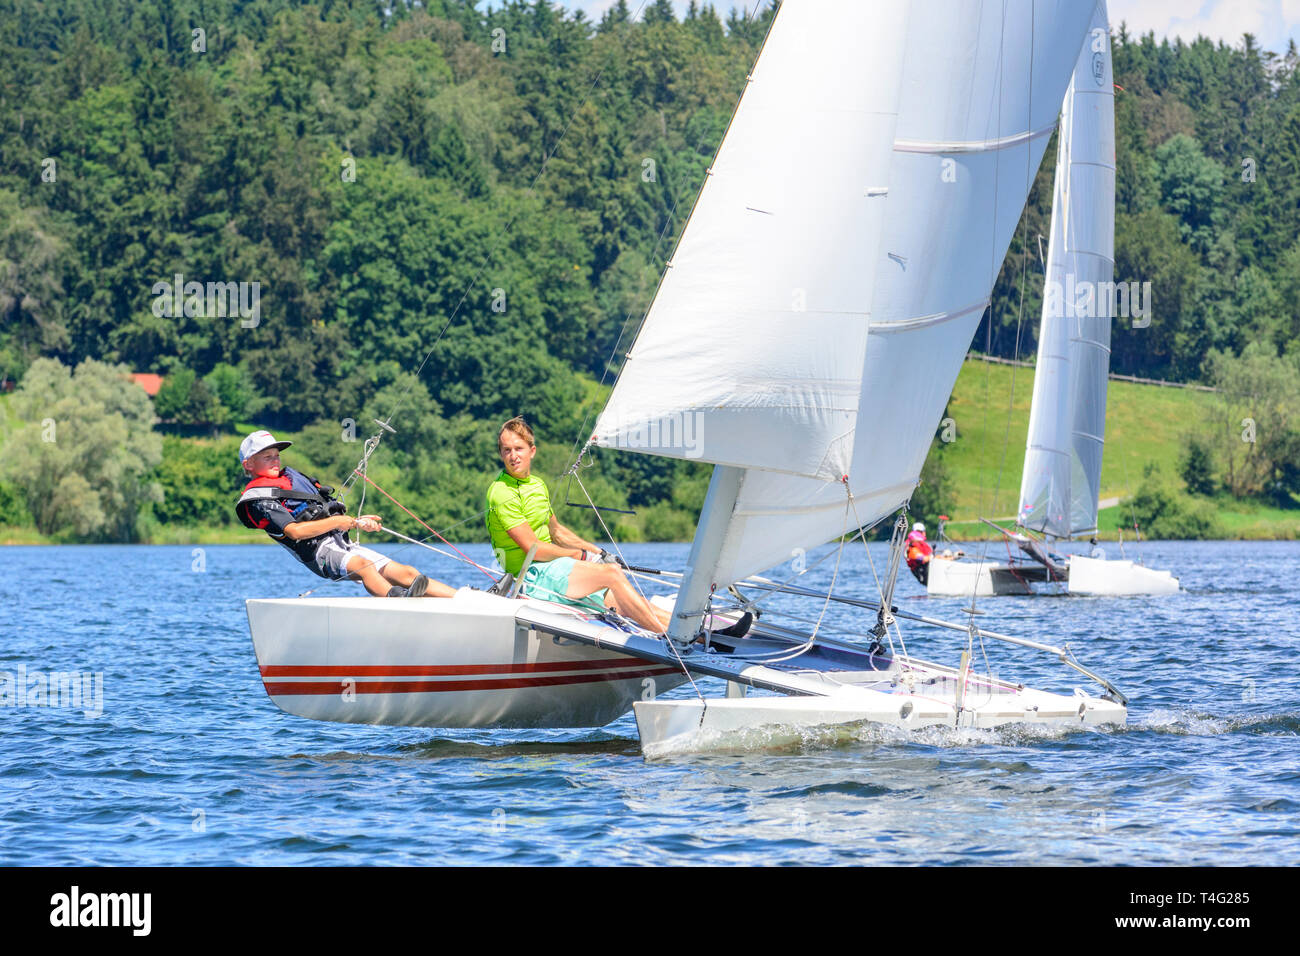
[
  {"x": 441, "y": 670},
  {"x": 286, "y": 688}
]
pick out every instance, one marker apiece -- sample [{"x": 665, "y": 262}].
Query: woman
[{"x": 565, "y": 568}]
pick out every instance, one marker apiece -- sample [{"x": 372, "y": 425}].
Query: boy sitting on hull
[{"x": 298, "y": 512}]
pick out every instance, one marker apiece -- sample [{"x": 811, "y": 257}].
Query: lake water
[{"x": 191, "y": 763}]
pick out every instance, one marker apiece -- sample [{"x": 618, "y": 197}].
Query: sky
[{"x": 1272, "y": 21}]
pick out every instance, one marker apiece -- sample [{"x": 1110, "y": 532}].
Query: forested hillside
[{"x": 458, "y": 215}]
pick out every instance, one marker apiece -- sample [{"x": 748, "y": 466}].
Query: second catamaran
[{"x": 1061, "y": 480}]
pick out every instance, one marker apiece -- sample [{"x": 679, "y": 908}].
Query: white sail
[
  {"x": 890, "y": 165},
  {"x": 751, "y": 353},
  {"x": 1061, "y": 480}
]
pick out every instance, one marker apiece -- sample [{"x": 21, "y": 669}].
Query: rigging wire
[
  {"x": 880, "y": 589},
  {"x": 463, "y": 555},
  {"x": 812, "y": 637}
]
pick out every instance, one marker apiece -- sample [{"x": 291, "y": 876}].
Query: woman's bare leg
[{"x": 586, "y": 579}]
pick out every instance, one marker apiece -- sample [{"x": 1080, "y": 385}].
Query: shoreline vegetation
[
  {"x": 315, "y": 216},
  {"x": 978, "y": 473}
]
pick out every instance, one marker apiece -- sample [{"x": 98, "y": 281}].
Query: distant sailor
[
  {"x": 565, "y": 568},
  {"x": 1097, "y": 551},
  {"x": 919, "y": 553},
  {"x": 299, "y": 513}
]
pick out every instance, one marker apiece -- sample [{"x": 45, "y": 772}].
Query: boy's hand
[{"x": 366, "y": 522}]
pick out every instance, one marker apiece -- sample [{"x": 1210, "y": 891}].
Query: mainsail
[
  {"x": 838, "y": 260},
  {"x": 1067, "y": 420}
]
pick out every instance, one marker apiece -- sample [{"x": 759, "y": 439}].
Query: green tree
[
  {"x": 84, "y": 458},
  {"x": 1255, "y": 421},
  {"x": 199, "y": 481},
  {"x": 1190, "y": 187},
  {"x": 31, "y": 290},
  {"x": 233, "y": 390},
  {"x": 186, "y": 399},
  {"x": 1162, "y": 512},
  {"x": 1197, "y": 467}
]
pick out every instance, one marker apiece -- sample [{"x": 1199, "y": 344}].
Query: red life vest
[{"x": 280, "y": 488}]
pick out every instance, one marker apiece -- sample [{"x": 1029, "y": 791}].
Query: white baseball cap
[
  {"x": 259, "y": 441},
  {"x": 918, "y": 527}
]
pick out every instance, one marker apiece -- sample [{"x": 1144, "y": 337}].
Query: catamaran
[
  {"x": 809, "y": 327},
  {"x": 1061, "y": 479}
]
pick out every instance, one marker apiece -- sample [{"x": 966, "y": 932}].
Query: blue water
[{"x": 191, "y": 763}]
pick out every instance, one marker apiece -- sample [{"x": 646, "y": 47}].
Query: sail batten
[{"x": 975, "y": 146}]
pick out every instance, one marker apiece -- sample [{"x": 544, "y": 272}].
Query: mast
[{"x": 697, "y": 581}]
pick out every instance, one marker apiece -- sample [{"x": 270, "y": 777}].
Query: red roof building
[{"x": 148, "y": 381}]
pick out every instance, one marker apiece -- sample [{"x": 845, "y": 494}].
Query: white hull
[
  {"x": 1103, "y": 578},
  {"x": 961, "y": 577},
  {"x": 478, "y": 660},
  {"x": 729, "y": 723},
  {"x": 459, "y": 662},
  {"x": 1086, "y": 576}
]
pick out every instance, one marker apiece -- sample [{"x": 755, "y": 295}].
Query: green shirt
[{"x": 510, "y": 503}]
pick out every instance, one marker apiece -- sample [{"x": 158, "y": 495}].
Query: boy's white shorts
[{"x": 332, "y": 558}]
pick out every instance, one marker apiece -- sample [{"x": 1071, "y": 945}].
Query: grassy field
[{"x": 1144, "y": 423}]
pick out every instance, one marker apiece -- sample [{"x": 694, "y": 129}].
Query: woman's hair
[{"x": 519, "y": 427}]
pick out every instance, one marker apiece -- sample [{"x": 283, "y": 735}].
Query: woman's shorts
[
  {"x": 549, "y": 581},
  {"x": 331, "y": 560}
]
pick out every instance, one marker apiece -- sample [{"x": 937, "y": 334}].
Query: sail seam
[
  {"x": 1093, "y": 342},
  {"x": 1075, "y": 251},
  {"x": 1049, "y": 450}
]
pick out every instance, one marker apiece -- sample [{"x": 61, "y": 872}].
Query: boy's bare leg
[
  {"x": 403, "y": 575},
  {"x": 363, "y": 570}
]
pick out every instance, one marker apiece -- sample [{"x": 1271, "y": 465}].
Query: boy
[{"x": 299, "y": 513}]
